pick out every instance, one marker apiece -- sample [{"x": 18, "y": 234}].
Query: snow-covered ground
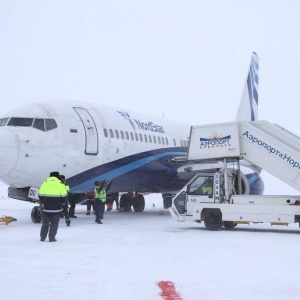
[{"x": 132, "y": 254}]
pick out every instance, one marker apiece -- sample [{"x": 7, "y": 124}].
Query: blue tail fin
[{"x": 248, "y": 109}]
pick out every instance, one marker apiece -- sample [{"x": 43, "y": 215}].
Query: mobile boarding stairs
[{"x": 260, "y": 143}]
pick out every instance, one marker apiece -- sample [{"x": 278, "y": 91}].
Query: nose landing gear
[{"x": 36, "y": 214}]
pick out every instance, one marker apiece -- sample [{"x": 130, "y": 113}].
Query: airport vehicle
[
  {"x": 266, "y": 145},
  {"x": 89, "y": 142}
]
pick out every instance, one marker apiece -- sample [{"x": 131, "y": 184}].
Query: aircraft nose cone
[{"x": 9, "y": 151}]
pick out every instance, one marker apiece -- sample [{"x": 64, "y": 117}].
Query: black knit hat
[{"x": 54, "y": 174}]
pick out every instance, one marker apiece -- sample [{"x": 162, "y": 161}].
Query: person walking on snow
[{"x": 52, "y": 196}]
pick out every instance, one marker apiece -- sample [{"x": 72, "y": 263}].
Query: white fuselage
[{"x": 87, "y": 137}]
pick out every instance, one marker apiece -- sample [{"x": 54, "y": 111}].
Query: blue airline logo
[
  {"x": 137, "y": 124},
  {"x": 215, "y": 141}
]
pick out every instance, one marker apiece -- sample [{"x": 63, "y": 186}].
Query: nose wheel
[{"x": 36, "y": 214}]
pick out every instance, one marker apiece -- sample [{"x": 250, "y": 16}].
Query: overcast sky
[{"x": 185, "y": 59}]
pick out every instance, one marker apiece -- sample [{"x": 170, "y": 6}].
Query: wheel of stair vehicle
[
  {"x": 213, "y": 220},
  {"x": 229, "y": 224},
  {"x": 36, "y": 214}
]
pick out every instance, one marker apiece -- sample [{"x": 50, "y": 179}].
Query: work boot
[
  {"x": 52, "y": 240},
  {"x": 88, "y": 213},
  {"x": 73, "y": 216},
  {"x": 99, "y": 222}
]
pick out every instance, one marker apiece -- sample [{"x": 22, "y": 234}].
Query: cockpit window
[
  {"x": 50, "y": 124},
  {"x": 39, "y": 124},
  {"x": 20, "y": 122},
  {"x": 3, "y": 121}
]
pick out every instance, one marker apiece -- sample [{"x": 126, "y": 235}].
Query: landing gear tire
[
  {"x": 138, "y": 203},
  {"x": 36, "y": 214},
  {"x": 229, "y": 224},
  {"x": 213, "y": 220},
  {"x": 125, "y": 203},
  {"x": 167, "y": 199}
]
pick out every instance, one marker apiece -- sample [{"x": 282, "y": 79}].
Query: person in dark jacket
[
  {"x": 90, "y": 202},
  {"x": 65, "y": 206},
  {"x": 72, "y": 201},
  {"x": 52, "y": 196}
]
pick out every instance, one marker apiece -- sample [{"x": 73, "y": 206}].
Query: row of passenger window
[
  {"x": 40, "y": 124},
  {"x": 147, "y": 138}
]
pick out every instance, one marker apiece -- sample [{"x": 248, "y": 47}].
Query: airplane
[{"x": 88, "y": 142}]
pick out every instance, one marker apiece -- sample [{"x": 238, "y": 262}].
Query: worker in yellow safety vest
[
  {"x": 52, "y": 196},
  {"x": 207, "y": 188},
  {"x": 100, "y": 199}
]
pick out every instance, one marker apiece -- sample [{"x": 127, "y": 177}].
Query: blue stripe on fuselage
[{"x": 85, "y": 180}]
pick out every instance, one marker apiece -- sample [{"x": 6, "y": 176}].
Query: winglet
[{"x": 248, "y": 109}]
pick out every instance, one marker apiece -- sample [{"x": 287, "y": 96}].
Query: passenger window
[
  {"x": 154, "y": 139},
  {"x": 131, "y": 135},
  {"x": 141, "y": 137},
  {"x": 3, "y": 121},
  {"x": 163, "y": 140},
  {"x": 136, "y": 136},
  {"x": 50, "y": 124},
  {"x": 105, "y": 132},
  {"x": 145, "y": 137},
  {"x": 39, "y": 124},
  {"x": 122, "y": 134},
  {"x": 174, "y": 142},
  {"x": 111, "y": 133},
  {"x": 127, "y": 135},
  {"x": 167, "y": 142},
  {"x": 150, "y": 139},
  {"x": 20, "y": 122},
  {"x": 158, "y": 139},
  {"x": 117, "y": 134}
]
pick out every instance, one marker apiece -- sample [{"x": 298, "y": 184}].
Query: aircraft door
[{"x": 90, "y": 128}]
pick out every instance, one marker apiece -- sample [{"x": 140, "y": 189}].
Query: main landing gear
[
  {"x": 135, "y": 200},
  {"x": 167, "y": 199}
]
